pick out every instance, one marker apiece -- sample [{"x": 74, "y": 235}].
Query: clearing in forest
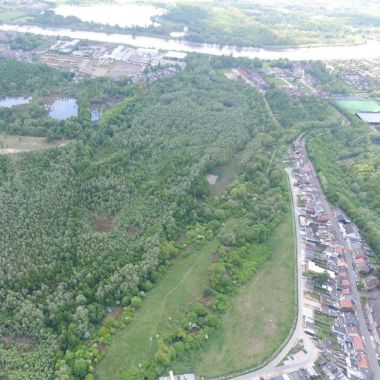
[
  {"x": 260, "y": 316},
  {"x": 222, "y": 176},
  {"x": 10, "y": 144}
]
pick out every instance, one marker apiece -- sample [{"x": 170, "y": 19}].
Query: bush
[{"x": 136, "y": 302}]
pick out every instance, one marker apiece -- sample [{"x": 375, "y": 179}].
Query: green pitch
[{"x": 359, "y": 105}]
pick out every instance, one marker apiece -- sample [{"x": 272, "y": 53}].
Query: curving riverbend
[{"x": 369, "y": 50}]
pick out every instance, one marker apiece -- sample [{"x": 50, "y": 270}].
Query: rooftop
[{"x": 369, "y": 117}]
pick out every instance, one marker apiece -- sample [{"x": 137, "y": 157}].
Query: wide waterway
[{"x": 369, "y": 50}]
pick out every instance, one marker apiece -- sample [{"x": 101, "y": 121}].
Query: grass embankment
[
  {"x": 164, "y": 306},
  {"x": 260, "y": 316}
]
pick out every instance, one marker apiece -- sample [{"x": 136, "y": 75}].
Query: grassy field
[
  {"x": 182, "y": 284},
  {"x": 260, "y": 317},
  {"x": 354, "y": 106},
  {"x": 10, "y": 15},
  {"x": 17, "y": 144}
]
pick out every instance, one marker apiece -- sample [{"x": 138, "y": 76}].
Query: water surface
[
  {"x": 96, "y": 115},
  {"x": 11, "y": 101},
  {"x": 63, "y": 108},
  {"x": 369, "y": 50}
]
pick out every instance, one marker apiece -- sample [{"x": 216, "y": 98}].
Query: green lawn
[
  {"x": 260, "y": 316},
  {"x": 354, "y": 106},
  {"x": 10, "y": 15},
  {"x": 183, "y": 283}
]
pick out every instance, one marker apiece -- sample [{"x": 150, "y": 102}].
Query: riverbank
[{"x": 369, "y": 50}]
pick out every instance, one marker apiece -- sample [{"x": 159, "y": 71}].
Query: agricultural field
[{"x": 354, "y": 106}]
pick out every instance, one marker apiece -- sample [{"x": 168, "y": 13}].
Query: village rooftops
[
  {"x": 346, "y": 304},
  {"x": 346, "y": 291},
  {"x": 352, "y": 330},
  {"x": 369, "y": 117},
  {"x": 370, "y": 282},
  {"x": 358, "y": 344},
  {"x": 363, "y": 361}
]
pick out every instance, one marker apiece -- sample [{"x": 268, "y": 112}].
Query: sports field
[{"x": 355, "y": 106}]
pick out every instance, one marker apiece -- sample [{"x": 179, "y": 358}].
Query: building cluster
[
  {"x": 100, "y": 59},
  {"x": 336, "y": 262},
  {"x": 361, "y": 74}
]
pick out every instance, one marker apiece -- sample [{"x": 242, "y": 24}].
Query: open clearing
[
  {"x": 10, "y": 144},
  {"x": 182, "y": 284},
  {"x": 260, "y": 316},
  {"x": 222, "y": 176},
  {"x": 354, "y": 106},
  {"x": 7, "y": 15}
]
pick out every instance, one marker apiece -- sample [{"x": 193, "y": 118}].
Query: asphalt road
[{"x": 355, "y": 293}]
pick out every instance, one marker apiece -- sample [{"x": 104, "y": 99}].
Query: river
[{"x": 370, "y": 50}]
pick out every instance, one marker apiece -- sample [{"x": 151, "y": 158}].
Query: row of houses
[{"x": 330, "y": 315}]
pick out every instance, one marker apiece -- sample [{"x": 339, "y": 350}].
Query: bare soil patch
[
  {"x": 212, "y": 179},
  {"x": 133, "y": 231},
  {"x": 113, "y": 314},
  {"x": 11, "y": 144},
  {"x": 215, "y": 257},
  {"x": 103, "y": 223},
  {"x": 22, "y": 344}
]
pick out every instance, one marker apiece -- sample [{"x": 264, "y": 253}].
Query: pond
[
  {"x": 11, "y": 101},
  {"x": 63, "y": 108},
  {"x": 123, "y": 15},
  {"x": 96, "y": 115}
]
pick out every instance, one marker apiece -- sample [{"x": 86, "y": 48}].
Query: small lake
[
  {"x": 11, "y": 101},
  {"x": 63, "y": 108},
  {"x": 96, "y": 115},
  {"x": 123, "y": 15}
]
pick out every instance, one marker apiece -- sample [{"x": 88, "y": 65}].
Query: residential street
[
  {"x": 355, "y": 294},
  {"x": 322, "y": 250}
]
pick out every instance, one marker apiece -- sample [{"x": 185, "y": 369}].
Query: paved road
[
  {"x": 355, "y": 294},
  {"x": 271, "y": 368}
]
